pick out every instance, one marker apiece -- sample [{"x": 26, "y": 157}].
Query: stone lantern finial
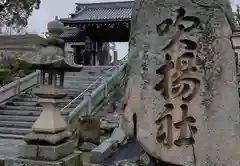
[{"x": 55, "y": 29}]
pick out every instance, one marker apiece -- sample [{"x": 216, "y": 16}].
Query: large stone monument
[
  {"x": 49, "y": 143},
  {"x": 182, "y": 83}
]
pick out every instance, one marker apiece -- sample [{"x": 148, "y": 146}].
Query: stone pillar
[
  {"x": 115, "y": 57},
  {"x": 182, "y": 83},
  {"x": 87, "y": 96}
]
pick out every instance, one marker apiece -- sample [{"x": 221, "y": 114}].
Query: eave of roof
[
  {"x": 70, "y": 32},
  {"x": 101, "y": 12}
]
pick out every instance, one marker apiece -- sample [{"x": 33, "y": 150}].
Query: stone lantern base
[
  {"x": 48, "y": 144},
  {"x": 49, "y": 155}
]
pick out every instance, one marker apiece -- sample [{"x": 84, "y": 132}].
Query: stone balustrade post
[
  {"x": 87, "y": 96},
  {"x": 115, "y": 57}
]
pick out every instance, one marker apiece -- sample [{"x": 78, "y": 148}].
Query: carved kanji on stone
[
  {"x": 165, "y": 133},
  {"x": 186, "y": 127},
  {"x": 182, "y": 24},
  {"x": 191, "y": 68},
  {"x": 180, "y": 82},
  {"x": 180, "y": 79}
]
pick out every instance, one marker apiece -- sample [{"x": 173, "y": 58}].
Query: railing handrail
[
  {"x": 85, "y": 103},
  {"x": 16, "y": 87},
  {"x": 21, "y": 80},
  {"x": 92, "y": 84}
]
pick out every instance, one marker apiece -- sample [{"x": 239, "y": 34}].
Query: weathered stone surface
[
  {"x": 110, "y": 107},
  {"x": 89, "y": 130},
  {"x": 87, "y": 146},
  {"x": 111, "y": 117},
  {"x": 104, "y": 137},
  {"x": 104, "y": 150},
  {"x": 107, "y": 125},
  {"x": 126, "y": 121},
  {"x": 118, "y": 135},
  {"x": 130, "y": 162},
  {"x": 47, "y": 137},
  {"x": 71, "y": 160},
  {"x": 49, "y": 153},
  {"x": 142, "y": 160},
  {"x": 182, "y": 83}
]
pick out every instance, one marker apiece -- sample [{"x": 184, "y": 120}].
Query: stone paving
[{"x": 8, "y": 148}]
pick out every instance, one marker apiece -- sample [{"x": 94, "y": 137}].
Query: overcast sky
[{"x": 62, "y": 8}]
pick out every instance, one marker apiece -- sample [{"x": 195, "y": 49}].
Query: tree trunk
[{"x": 182, "y": 82}]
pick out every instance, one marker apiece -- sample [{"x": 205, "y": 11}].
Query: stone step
[
  {"x": 14, "y": 131},
  {"x": 69, "y": 90},
  {"x": 89, "y": 71},
  {"x": 30, "y": 113},
  {"x": 36, "y": 104},
  {"x": 16, "y": 103},
  {"x": 29, "y": 108},
  {"x": 14, "y": 118},
  {"x": 79, "y": 78},
  {"x": 73, "y": 81},
  {"x": 16, "y": 124},
  {"x": 20, "y": 113},
  {"x": 18, "y": 118},
  {"x": 26, "y": 99},
  {"x": 82, "y": 87},
  {"x": 11, "y": 136}
]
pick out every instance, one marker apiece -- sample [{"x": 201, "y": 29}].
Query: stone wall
[{"x": 19, "y": 44}]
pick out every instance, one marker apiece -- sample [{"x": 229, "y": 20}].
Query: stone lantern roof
[
  {"x": 55, "y": 27},
  {"x": 52, "y": 57}
]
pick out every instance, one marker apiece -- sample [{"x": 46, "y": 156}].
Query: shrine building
[{"x": 94, "y": 24}]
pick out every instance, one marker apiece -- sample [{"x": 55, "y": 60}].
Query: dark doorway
[{"x": 78, "y": 56}]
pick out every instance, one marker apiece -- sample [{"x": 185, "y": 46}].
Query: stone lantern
[{"x": 48, "y": 143}]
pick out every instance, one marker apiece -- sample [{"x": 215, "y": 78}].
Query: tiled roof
[
  {"x": 70, "y": 33},
  {"x": 100, "y": 12}
]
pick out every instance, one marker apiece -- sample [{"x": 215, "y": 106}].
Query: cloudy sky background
[{"x": 62, "y": 8}]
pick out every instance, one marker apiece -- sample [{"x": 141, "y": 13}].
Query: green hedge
[{"x": 13, "y": 70}]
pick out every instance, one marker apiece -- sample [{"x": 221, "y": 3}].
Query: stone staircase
[{"x": 19, "y": 113}]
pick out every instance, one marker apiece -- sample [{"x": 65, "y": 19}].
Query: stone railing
[
  {"x": 14, "y": 88},
  {"x": 94, "y": 101}
]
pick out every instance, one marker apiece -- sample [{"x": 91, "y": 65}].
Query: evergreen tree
[{"x": 15, "y": 13}]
